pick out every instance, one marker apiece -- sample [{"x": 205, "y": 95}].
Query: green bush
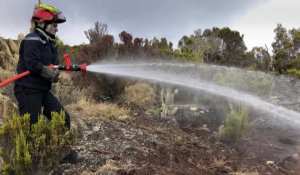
[
  {"x": 236, "y": 125},
  {"x": 295, "y": 63},
  {"x": 257, "y": 83},
  {"x": 35, "y": 149},
  {"x": 294, "y": 71}
]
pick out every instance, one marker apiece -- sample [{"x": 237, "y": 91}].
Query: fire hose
[{"x": 66, "y": 67}]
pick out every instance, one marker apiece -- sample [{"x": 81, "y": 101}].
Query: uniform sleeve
[
  {"x": 32, "y": 56},
  {"x": 56, "y": 60}
]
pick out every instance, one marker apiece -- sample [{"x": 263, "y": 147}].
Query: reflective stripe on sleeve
[{"x": 35, "y": 39}]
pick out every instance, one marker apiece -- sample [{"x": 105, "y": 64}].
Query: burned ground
[{"x": 186, "y": 143}]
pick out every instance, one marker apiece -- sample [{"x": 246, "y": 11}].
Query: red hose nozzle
[{"x": 83, "y": 67}]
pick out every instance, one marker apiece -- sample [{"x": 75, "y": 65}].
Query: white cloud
[
  {"x": 142, "y": 18},
  {"x": 258, "y": 24}
]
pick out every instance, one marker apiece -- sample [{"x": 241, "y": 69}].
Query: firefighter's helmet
[{"x": 45, "y": 13}]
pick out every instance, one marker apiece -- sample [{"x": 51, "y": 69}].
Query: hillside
[{"x": 186, "y": 143}]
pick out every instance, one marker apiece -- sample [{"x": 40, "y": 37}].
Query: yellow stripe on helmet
[{"x": 49, "y": 8}]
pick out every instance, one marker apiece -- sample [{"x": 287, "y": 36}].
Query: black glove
[{"x": 50, "y": 74}]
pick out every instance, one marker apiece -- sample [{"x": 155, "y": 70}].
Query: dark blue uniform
[{"x": 33, "y": 91}]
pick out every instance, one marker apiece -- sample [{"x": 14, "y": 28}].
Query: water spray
[
  {"x": 68, "y": 67},
  {"x": 164, "y": 73}
]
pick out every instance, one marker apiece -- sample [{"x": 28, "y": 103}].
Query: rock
[
  {"x": 193, "y": 109},
  {"x": 96, "y": 128},
  {"x": 106, "y": 139},
  {"x": 204, "y": 128}
]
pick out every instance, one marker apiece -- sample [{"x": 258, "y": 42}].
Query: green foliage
[
  {"x": 236, "y": 125},
  {"x": 191, "y": 49},
  {"x": 161, "y": 48},
  {"x": 257, "y": 83},
  {"x": 294, "y": 71},
  {"x": 58, "y": 42},
  {"x": 285, "y": 48},
  {"x": 35, "y": 149},
  {"x": 261, "y": 85},
  {"x": 216, "y": 45},
  {"x": 295, "y": 63},
  {"x": 281, "y": 60},
  {"x": 262, "y": 59},
  {"x": 229, "y": 46},
  {"x": 187, "y": 56}
]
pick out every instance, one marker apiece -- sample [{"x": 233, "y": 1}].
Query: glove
[{"x": 50, "y": 74}]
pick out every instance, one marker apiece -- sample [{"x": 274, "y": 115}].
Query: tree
[
  {"x": 125, "y": 49},
  {"x": 262, "y": 58},
  {"x": 101, "y": 47},
  {"x": 295, "y": 36},
  {"x": 212, "y": 45},
  {"x": 101, "y": 44},
  {"x": 216, "y": 45},
  {"x": 233, "y": 43},
  {"x": 191, "y": 48},
  {"x": 161, "y": 48},
  {"x": 95, "y": 34},
  {"x": 282, "y": 49},
  {"x": 165, "y": 48}
]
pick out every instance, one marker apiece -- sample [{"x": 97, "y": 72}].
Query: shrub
[
  {"x": 167, "y": 100},
  {"x": 105, "y": 110},
  {"x": 7, "y": 106},
  {"x": 294, "y": 71},
  {"x": 295, "y": 63},
  {"x": 257, "y": 83},
  {"x": 112, "y": 112},
  {"x": 65, "y": 87},
  {"x": 236, "y": 125},
  {"x": 139, "y": 97},
  {"x": 35, "y": 149},
  {"x": 5, "y": 74}
]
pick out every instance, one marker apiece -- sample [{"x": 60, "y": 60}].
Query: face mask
[{"x": 52, "y": 28}]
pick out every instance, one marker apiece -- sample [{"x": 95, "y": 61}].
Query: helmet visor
[{"x": 59, "y": 18}]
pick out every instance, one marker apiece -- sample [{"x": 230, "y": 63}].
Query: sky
[{"x": 255, "y": 19}]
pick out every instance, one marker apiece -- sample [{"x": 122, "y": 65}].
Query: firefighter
[{"x": 37, "y": 52}]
